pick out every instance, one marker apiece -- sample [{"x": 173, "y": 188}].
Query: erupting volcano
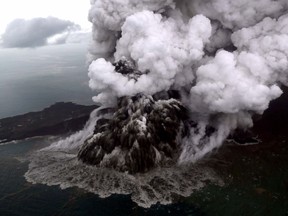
[
  {"x": 224, "y": 69},
  {"x": 175, "y": 78}
]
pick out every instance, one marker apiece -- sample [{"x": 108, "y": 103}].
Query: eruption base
[{"x": 141, "y": 134}]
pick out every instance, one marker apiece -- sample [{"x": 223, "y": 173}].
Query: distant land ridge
[{"x": 60, "y": 118}]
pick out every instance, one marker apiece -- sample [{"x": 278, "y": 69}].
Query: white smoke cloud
[
  {"x": 228, "y": 58},
  {"x": 146, "y": 38},
  {"x": 236, "y": 14},
  {"x": 228, "y": 84},
  {"x": 267, "y": 40},
  {"x": 108, "y": 17}
]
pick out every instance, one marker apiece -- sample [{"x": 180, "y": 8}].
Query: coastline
[{"x": 58, "y": 119}]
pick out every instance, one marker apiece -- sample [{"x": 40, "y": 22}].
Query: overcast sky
[
  {"x": 22, "y": 19},
  {"x": 31, "y": 79},
  {"x": 73, "y": 10}
]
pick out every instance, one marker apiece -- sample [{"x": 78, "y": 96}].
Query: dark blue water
[{"x": 17, "y": 197}]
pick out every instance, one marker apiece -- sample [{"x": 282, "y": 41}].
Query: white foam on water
[
  {"x": 58, "y": 164},
  {"x": 161, "y": 185}
]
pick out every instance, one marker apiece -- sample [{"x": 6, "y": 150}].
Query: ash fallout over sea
[{"x": 174, "y": 79}]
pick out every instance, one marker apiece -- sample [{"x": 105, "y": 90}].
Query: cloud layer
[{"x": 22, "y": 33}]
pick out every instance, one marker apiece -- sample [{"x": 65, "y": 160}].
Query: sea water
[
  {"x": 18, "y": 197},
  {"x": 32, "y": 79}
]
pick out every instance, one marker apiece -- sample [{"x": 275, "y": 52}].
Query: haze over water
[{"x": 32, "y": 79}]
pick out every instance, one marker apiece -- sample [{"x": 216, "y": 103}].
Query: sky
[
  {"x": 75, "y": 10},
  {"x": 35, "y": 23},
  {"x": 43, "y": 47}
]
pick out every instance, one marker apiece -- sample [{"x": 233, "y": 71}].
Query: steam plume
[{"x": 227, "y": 58}]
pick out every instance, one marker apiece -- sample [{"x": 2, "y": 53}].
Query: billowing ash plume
[
  {"x": 175, "y": 78},
  {"x": 227, "y": 59}
]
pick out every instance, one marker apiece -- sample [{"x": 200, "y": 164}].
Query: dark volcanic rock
[
  {"x": 57, "y": 119},
  {"x": 243, "y": 137},
  {"x": 127, "y": 68},
  {"x": 141, "y": 134}
]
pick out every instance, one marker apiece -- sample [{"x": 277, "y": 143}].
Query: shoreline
[{"x": 58, "y": 119}]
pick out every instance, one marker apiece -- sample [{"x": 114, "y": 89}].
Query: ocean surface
[
  {"x": 20, "y": 198},
  {"x": 255, "y": 188},
  {"x": 32, "y": 79}
]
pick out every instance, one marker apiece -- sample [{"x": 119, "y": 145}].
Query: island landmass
[{"x": 58, "y": 119}]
